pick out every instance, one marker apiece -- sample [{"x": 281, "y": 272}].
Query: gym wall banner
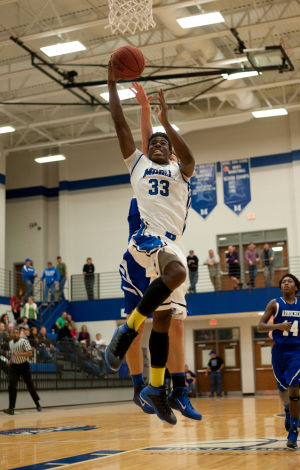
[
  {"x": 236, "y": 184},
  {"x": 204, "y": 189}
]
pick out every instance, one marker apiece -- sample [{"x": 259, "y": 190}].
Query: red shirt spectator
[{"x": 16, "y": 302}]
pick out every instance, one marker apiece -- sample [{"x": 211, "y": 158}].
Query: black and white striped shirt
[{"x": 20, "y": 346}]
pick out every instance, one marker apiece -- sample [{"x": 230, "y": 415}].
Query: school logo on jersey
[
  {"x": 226, "y": 445},
  {"x": 156, "y": 171},
  {"x": 27, "y": 431}
]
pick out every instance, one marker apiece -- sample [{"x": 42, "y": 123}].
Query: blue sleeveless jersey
[{"x": 290, "y": 313}]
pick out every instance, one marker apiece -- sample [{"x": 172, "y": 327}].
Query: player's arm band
[{"x": 294, "y": 398}]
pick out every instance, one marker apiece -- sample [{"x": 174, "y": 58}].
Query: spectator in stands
[
  {"x": 99, "y": 341},
  {"x": 28, "y": 275},
  {"x": 213, "y": 264},
  {"x": 98, "y": 357},
  {"x": 51, "y": 277},
  {"x": 44, "y": 338},
  {"x": 46, "y": 350},
  {"x": 10, "y": 331},
  {"x": 4, "y": 319},
  {"x": 16, "y": 303},
  {"x": 34, "y": 337},
  {"x": 3, "y": 348},
  {"x": 192, "y": 262},
  {"x": 234, "y": 269},
  {"x": 215, "y": 366},
  {"x": 84, "y": 335},
  {"x": 31, "y": 311},
  {"x": 252, "y": 258},
  {"x": 267, "y": 258},
  {"x": 85, "y": 357},
  {"x": 72, "y": 327},
  {"x": 3, "y": 334},
  {"x": 89, "y": 278},
  {"x": 63, "y": 276},
  {"x": 190, "y": 381},
  {"x": 23, "y": 322},
  {"x": 61, "y": 321}
]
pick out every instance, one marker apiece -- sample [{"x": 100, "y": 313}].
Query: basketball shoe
[
  {"x": 142, "y": 404},
  {"x": 117, "y": 348},
  {"x": 179, "y": 400},
  {"x": 157, "y": 397},
  {"x": 292, "y": 439}
]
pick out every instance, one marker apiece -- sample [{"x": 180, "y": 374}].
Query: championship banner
[
  {"x": 236, "y": 184},
  {"x": 204, "y": 189}
]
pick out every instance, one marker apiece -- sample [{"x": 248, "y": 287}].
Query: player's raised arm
[
  {"x": 182, "y": 151},
  {"x": 124, "y": 134},
  {"x": 146, "y": 124},
  {"x": 269, "y": 312}
]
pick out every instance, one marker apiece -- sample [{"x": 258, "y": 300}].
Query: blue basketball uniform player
[
  {"x": 133, "y": 276},
  {"x": 134, "y": 283},
  {"x": 286, "y": 350}
]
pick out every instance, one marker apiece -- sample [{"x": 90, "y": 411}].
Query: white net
[{"x": 128, "y": 16}]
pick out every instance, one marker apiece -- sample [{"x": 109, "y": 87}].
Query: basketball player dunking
[
  {"x": 162, "y": 192},
  {"x": 286, "y": 350},
  {"x": 134, "y": 283}
]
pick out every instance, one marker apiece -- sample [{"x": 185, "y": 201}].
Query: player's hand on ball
[
  {"x": 140, "y": 94},
  {"x": 162, "y": 110},
  {"x": 111, "y": 76},
  {"x": 285, "y": 326}
]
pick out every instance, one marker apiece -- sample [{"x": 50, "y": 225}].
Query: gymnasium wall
[
  {"x": 92, "y": 221},
  {"x": 244, "y": 322}
]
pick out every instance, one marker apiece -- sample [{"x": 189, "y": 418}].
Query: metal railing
[
  {"x": 100, "y": 286},
  {"x": 66, "y": 365},
  {"x": 107, "y": 285},
  {"x": 6, "y": 282}
]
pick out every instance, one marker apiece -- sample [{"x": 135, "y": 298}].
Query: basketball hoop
[{"x": 127, "y": 16}]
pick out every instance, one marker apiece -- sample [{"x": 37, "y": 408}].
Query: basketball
[{"x": 128, "y": 62}]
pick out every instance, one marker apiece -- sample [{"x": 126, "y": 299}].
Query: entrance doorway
[
  {"x": 225, "y": 342},
  {"x": 264, "y": 377}
]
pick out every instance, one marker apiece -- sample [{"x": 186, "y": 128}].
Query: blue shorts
[
  {"x": 286, "y": 364},
  {"x": 133, "y": 282}
]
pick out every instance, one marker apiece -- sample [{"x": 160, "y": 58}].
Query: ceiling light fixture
[
  {"x": 270, "y": 113},
  {"x": 6, "y": 129},
  {"x": 63, "y": 48},
  {"x": 233, "y": 60},
  {"x": 162, "y": 129},
  {"x": 235, "y": 76},
  {"x": 50, "y": 158},
  {"x": 125, "y": 94},
  {"x": 200, "y": 20}
]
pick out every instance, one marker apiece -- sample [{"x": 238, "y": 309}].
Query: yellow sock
[
  {"x": 157, "y": 376},
  {"x": 135, "y": 320}
]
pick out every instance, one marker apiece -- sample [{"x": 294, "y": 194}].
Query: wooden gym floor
[{"x": 235, "y": 433}]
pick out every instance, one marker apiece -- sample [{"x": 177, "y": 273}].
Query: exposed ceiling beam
[
  {"x": 185, "y": 126},
  {"x": 95, "y": 23},
  {"x": 166, "y": 44}
]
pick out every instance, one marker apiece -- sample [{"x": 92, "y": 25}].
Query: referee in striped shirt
[{"x": 19, "y": 366}]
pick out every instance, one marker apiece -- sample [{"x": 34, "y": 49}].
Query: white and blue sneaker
[
  {"x": 157, "y": 398},
  {"x": 292, "y": 439},
  {"x": 118, "y": 346},
  {"x": 179, "y": 400},
  {"x": 141, "y": 403}
]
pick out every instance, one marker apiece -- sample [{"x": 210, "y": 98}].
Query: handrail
[{"x": 107, "y": 285}]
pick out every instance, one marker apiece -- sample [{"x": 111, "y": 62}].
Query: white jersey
[{"x": 163, "y": 195}]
